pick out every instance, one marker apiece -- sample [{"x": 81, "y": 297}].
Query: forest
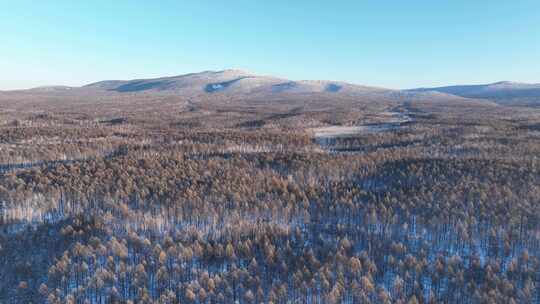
[{"x": 159, "y": 200}]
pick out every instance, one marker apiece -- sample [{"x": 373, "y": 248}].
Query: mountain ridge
[
  {"x": 233, "y": 80},
  {"x": 506, "y": 92},
  {"x": 245, "y": 84}
]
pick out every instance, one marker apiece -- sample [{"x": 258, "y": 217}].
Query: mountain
[
  {"x": 239, "y": 84},
  {"x": 207, "y": 82},
  {"x": 229, "y": 82},
  {"x": 237, "y": 87},
  {"x": 243, "y": 84},
  {"x": 504, "y": 92}
]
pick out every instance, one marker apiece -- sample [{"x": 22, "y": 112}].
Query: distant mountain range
[
  {"x": 505, "y": 92},
  {"x": 245, "y": 84}
]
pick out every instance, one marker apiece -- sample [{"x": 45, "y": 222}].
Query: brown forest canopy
[{"x": 158, "y": 198}]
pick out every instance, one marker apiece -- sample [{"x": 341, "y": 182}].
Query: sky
[{"x": 394, "y": 44}]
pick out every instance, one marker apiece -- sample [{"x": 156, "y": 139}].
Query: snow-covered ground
[
  {"x": 337, "y": 131},
  {"x": 392, "y": 120}
]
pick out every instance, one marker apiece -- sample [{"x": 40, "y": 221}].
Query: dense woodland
[{"x": 194, "y": 204}]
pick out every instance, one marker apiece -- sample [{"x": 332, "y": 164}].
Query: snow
[
  {"x": 392, "y": 121},
  {"x": 336, "y": 131}
]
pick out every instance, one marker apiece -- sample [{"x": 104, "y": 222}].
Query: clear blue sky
[{"x": 396, "y": 44}]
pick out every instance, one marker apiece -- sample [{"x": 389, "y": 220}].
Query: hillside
[
  {"x": 230, "y": 82},
  {"x": 231, "y": 91},
  {"x": 504, "y": 92}
]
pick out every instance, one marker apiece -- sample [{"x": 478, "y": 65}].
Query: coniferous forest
[{"x": 134, "y": 198}]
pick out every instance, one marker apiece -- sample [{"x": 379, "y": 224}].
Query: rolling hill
[
  {"x": 229, "y": 82},
  {"x": 238, "y": 90},
  {"x": 504, "y": 92}
]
